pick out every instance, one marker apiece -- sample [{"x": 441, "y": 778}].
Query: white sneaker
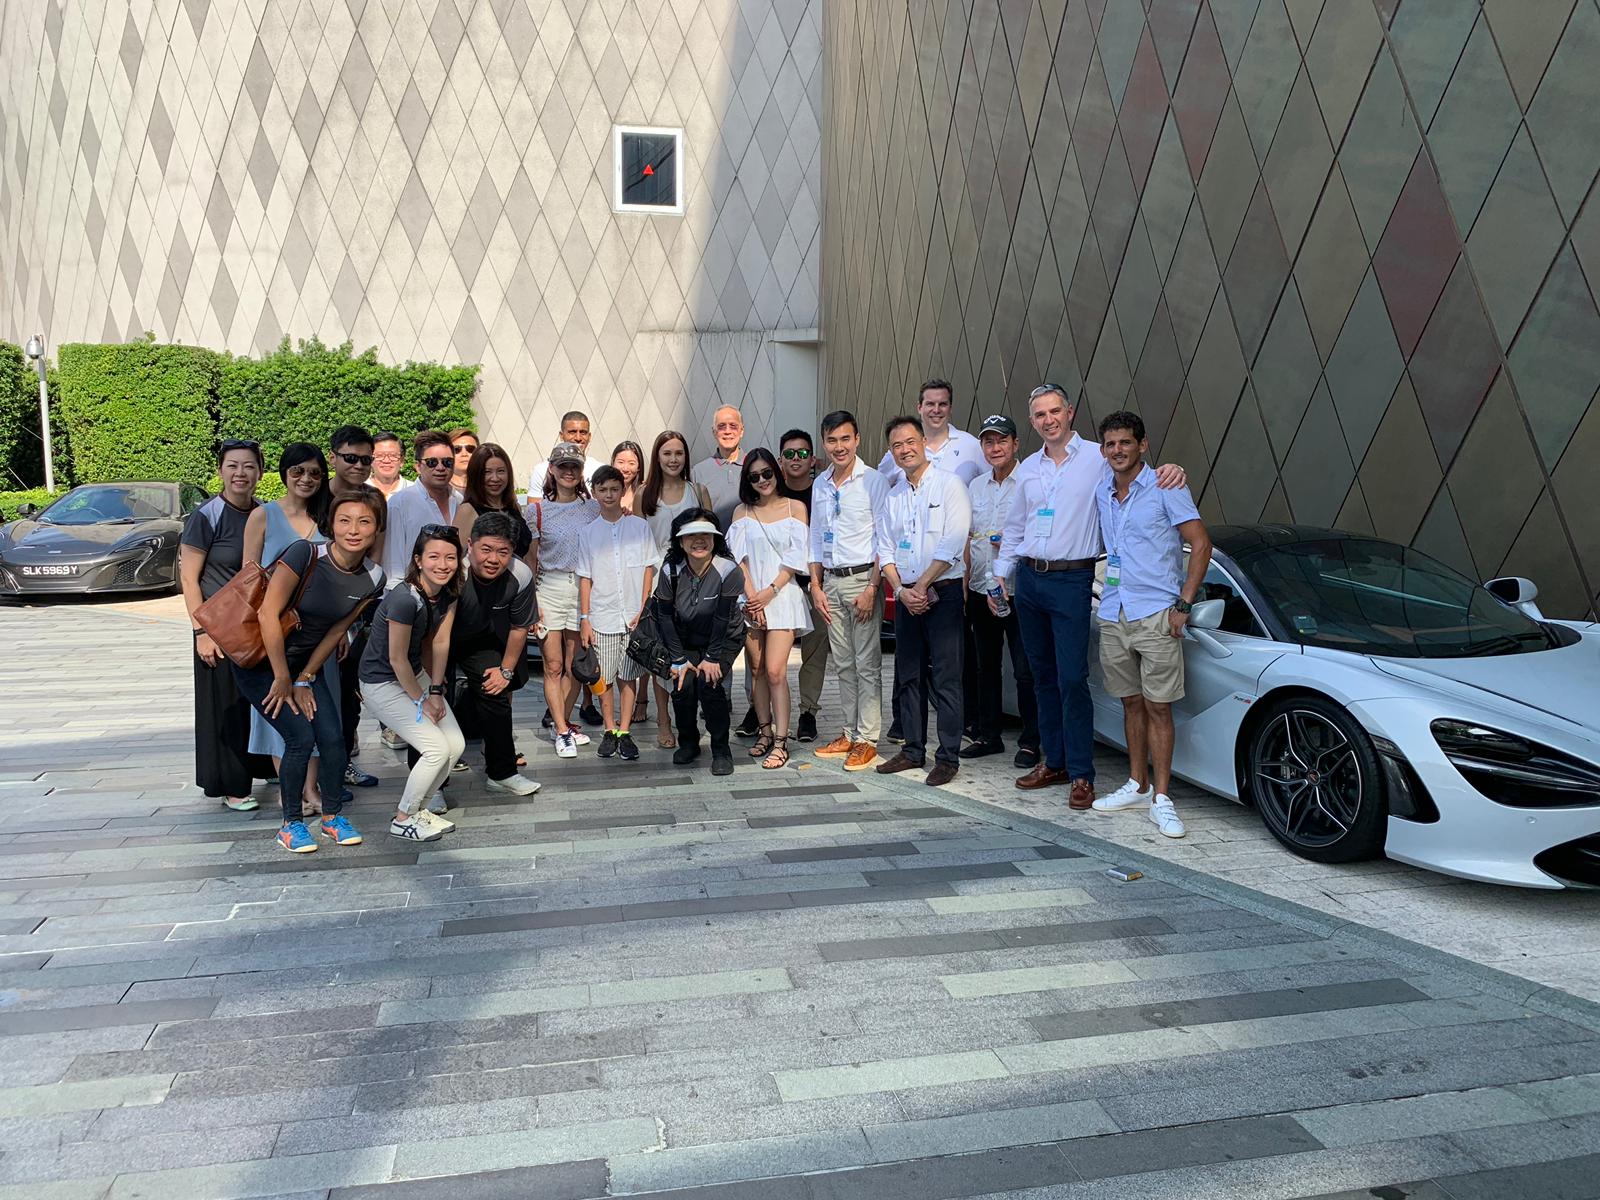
[
  {"x": 414, "y": 831},
  {"x": 516, "y": 784},
  {"x": 392, "y": 740},
  {"x": 566, "y": 746},
  {"x": 1126, "y": 796},
  {"x": 429, "y": 820},
  {"x": 579, "y": 738},
  {"x": 437, "y": 804},
  {"x": 1165, "y": 818}
]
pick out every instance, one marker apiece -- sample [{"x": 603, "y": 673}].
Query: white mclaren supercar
[{"x": 1367, "y": 700}]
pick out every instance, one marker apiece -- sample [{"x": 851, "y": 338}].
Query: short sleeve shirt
[
  {"x": 404, "y": 605},
  {"x": 494, "y": 609},
  {"x": 331, "y": 595},
  {"x": 1141, "y": 533},
  {"x": 217, "y": 529},
  {"x": 613, "y": 556}
]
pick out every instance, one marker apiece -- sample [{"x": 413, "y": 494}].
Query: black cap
[{"x": 998, "y": 424}]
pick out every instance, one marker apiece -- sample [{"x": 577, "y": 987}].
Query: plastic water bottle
[{"x": 1002, "y": 608}]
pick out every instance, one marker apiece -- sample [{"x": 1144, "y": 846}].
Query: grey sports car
[{"x": 100, "y": 537}]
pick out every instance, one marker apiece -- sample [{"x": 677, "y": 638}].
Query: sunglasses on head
[
  {"x": 764, "y": 475},
  {"x": 240, "y": 444},
  {"x": 363, "y": 460},
  {"x": 437, "y": 463},
  {"x": 797, "y": 453},
  {"x": 448, "y": 533}
]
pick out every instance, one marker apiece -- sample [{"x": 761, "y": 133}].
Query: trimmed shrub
[
  {"x": 11, "y": 501},
  {"x": 139, "y": 411},
  {"x": 303, "y": 394},
  {"x": 18, "y": 393}
]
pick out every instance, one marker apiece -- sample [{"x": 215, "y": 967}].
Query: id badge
[
  {"x": 1042, "y": 521},
  {"x": 827, "y": 536},
  {"x": 1113, "y": 570}
]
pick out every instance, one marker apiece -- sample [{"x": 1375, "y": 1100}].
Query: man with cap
[{"x": 992, "y": 493}]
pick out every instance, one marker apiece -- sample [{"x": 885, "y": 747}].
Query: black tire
[{"x": 1314, "y": 777}]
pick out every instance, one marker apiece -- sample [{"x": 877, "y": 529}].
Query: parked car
[
  {"x": 1368, "y": 700},
  {"x": 99, "y": 537}
]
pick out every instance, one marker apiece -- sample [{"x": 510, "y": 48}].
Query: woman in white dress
[
  {"x": 557, "y": 519},
  {"x": 666, "y": 492},
  {"x": 770, "y": 541}
]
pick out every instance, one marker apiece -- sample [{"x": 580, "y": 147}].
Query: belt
[
  {"x": 837, "y": 571},
  {"x": 1042, "y": 565}
]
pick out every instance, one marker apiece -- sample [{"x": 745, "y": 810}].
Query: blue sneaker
[
  {"x": 354, "y": 776},
  {"x": 296, "y": 838},
  {"x": 338, "y": 828}
]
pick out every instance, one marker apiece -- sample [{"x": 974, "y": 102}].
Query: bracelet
[
  {"x": 583, "y": 616},
  {"x": 302, "y": 683}
]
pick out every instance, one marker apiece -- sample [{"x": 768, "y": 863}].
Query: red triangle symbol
[{"x": 649, "y": 170}]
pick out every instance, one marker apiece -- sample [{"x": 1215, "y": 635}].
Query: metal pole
[{"x": 35, "y": 350}]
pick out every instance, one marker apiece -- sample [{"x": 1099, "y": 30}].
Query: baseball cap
[
  {"x": 566, "y": 452},
  {"x": 998, "y": 424}
]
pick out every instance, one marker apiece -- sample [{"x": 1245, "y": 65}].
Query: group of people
[{"x": 415, "y": 601}]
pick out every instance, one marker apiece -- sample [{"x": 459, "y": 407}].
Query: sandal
[
  {"x": 779, "y": 756},
  {"x": 522, "y": 759},
  {"x": 764, "y": 743},
  {"x": 667, "y": 740}
]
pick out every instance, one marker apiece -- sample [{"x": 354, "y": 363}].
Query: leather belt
[
  {"x": 837, "y": 571},
  {"x": 1042, "y": 565}
]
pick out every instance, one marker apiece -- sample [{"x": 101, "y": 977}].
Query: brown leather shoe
[
  {"x": 1082, "y": 794},
  {"x": 897, "y": 764},
  {"x": 838, "y": 748},
  {"x": 1041, "y": 777},
  {"x": 862, "y": 755},
  {"x": 941, "y": 774}
]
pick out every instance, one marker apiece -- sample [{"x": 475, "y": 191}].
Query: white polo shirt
[
  {"x": 846, "y": 519},
  {"x": 961, "y": 456},
  {"x": 991, "y": 502},
  {"x": 1053, "y": 515},
  {"x": 614, "y": 556},
  {"x": 929, "y": 521}
]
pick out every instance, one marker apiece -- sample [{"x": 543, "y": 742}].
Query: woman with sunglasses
[
  {"x": 490, "y": 489},
  {"x": 292, "y": 689},
  {"x": 463, "y": 444},
  {"x": 667, "y": 493},
  {"x": 629, "y": 459},
  {"x": 771, "y": 542},
  {"x": 211, "y": 553},
  {"x": 558, "y": 519},
  {"x": 403, "y": 675}
]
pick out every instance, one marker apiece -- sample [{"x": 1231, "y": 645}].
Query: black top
[
  {"x": 405, "y": 605},
  {"x": 700, "y": 617},
  {"x": 495, "y": 608},
  {"x": 789, "y": 493},
  {"x": 330, "y": 596},
  {"x": 217, "y": 528},
  {"x": 522, "y": 536}
]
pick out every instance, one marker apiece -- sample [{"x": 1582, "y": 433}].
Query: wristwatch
[
  {"x": 436, "y": 689},
  {"x": 506, "y": 673},
  {"x": 1182, "y": 605}
]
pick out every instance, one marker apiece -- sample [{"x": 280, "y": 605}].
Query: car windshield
[
  {"x": 1374, "y": 597},
  {"x": 103, "y": 502}
]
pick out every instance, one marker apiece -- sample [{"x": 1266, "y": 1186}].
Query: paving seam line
[{"x": 1541, "y": 998}]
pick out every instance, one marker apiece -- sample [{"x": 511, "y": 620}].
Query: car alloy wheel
[{"x": 1315, "y": 780}]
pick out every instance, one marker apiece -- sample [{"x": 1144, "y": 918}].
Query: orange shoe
[
  {"x": 840, "y": 747},
  {"x": 862, "y": 756}
]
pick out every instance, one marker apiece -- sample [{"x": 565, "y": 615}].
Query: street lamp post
[{"x": 35, "y": 351}]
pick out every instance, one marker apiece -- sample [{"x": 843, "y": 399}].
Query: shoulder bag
[
  {"x": 232, "y": 617},
  {"x": 645, "y": 647}
]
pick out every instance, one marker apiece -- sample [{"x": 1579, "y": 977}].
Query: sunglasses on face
[
  {"x": 437, "y": 463},
  {"x": 797, "y": 454},
  {"x": 355, "y": 460},
  {"x": 464, "y": 447},
  {"x": 764, "y": 475}
]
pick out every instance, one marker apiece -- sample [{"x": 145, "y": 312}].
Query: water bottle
[{"x": 1002, "y": 608}]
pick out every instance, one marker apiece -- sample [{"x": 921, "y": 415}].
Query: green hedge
[
  {"x": 304, "y": 394},
  {"x": 11, "y": 501},
  {"x": 139, "y": 411},
  {"x": 19, "y": 391}
]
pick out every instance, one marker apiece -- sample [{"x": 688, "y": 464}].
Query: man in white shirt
[
  {"x": 927, "y": 521},
  {"x": 953, "y": 450},
  {"x": 992, "y": 493},
  {"x": 1046, "y": 566},
  {"x": 574, "y": 429},
  {"x": 847, "y": 547},
  {"x": 432, "y": 502},
  {"x": 387, "y": 459}
]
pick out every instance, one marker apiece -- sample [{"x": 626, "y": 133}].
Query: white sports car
[{"x": 1367, "y": 699}]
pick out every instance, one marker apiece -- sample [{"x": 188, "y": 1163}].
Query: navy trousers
[{"x": 1053, "y": 610}]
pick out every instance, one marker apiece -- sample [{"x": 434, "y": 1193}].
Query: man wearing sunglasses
[
  {"x": 431, "y": 502},
  {"x": 798, "y": 460},
  {"x": 719, "y": 474},
  {"x": 352, "y": 459}
]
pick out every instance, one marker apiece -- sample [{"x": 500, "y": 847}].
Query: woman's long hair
[
  {"x": 580, "y": 489},
  {"x": 435, "y": 533},
  {"x": 638, "y": 457},
  {"x": 675, "y": 556},
  {"x": 748, "y": 496},
  {"x": 296, "y": 454},
  {"x": 475, "y": 494},
  {"x": 648, "y": 500}
]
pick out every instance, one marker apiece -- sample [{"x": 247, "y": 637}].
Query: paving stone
[
  {"x": 728, "y": 1161},
  {"x": 73, "y": 1097},
  {"x": 100, "y": 1016},
  {"x": 534, "y": 1147},
  {"x": 262, "y": 1177},
  {"x": 987, "y": 1130},
  {"x": 558, "y": 1181}
]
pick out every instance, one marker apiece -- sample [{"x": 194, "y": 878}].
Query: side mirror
[
  {"x": 1207, "y": 614},
  {"x": 1518, "y": 592},
  {"x": 28, "y": 510}
]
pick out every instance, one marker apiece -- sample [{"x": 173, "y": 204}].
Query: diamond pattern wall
[
  {"x": 432, "y": 177},
  {"x": 1342, "y": 256}
]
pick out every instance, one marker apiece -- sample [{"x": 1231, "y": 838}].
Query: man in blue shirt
[{"x": 1144, "y": 607}]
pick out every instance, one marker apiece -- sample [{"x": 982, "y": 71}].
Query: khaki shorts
[{"x": 1142, "y": 658}]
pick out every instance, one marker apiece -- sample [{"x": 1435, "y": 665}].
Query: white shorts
[{"x": 558, "y": 599}]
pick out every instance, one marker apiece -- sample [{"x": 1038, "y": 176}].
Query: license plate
[{"x": 63, "y": 569}]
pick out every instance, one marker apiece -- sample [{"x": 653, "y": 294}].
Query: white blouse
[{"x": 556, "y": 525}]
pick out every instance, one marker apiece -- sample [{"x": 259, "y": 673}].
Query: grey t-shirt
[
  {"x": 720, "y": 477},
  {"x": 331, "y": 595},
  {"x": 217, "y": 528},
  {"x": 404, "y": 605}
]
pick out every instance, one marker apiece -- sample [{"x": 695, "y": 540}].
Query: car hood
[
  {"x": 35, "y": 537},
  {"x": 1562, "y": 683}
]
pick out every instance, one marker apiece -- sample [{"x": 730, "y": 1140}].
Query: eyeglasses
[
  {"x": 464, "y": 447},
  {"x": 387, "y": 456},
  {"x": 764, "y": 475},
  {"x": 797, "y": 453},
  {"x": 448, "y": 532},
  {"x": 364, "y": 460},
  {"x": 437, "y": 463}
]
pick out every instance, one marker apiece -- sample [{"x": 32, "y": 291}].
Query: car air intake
[{"x": 1576, "y": 862}]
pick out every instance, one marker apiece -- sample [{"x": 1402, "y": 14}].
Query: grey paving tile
[
  {"x": 915, "y": 945},
  {"x": 818, "y": 789},
  {"x": 476, "y": 1087},
  {"x": 1423, "y": 1189},
  {"x": 989, "y": 1172},
  {"x": 74, "y": 1097},
  {"x": 1563, "y": 1179},
  {"x": 12, "y": 926},
  {"x": 788, "y": 820},
  {"x": 301, "y": 863},
  {"x": 724, "y": 1162},
  {"x": 830, "y": 853},
  {"x": 263, "y": 1177},
  {"x": 909, "y": 875},
  {"x": 338, "y": 1072},
  {"x": 558, "y": 1181},
  {"x": 987, "y": 1130},
  {"x": 532, "y": 1147},
  {"x": 14, "y": 966},
  {"x": 100, "y": 1016},
  {"x": 1191, "y": 1145}
]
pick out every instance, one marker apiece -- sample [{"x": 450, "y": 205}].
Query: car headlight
[
  {"x": 147, "y": 544},
  {"x": 1513, "y": 770}
]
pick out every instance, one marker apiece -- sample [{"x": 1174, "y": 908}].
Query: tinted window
[
  {"x": 112, "y": 502},
  {"x": 1374, "y": 597},
  {"x": 1237, "y": 616},
  {"x": 649, "y": 170},
  {"x": 191, "y": 496}
]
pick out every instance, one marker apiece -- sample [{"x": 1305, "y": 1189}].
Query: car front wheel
[{"x": 1314, "y": 777}]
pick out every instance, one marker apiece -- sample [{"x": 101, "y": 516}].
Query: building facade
[
  {"x": 1342, "y": 255},
  {"x": 435, "y": 178}
]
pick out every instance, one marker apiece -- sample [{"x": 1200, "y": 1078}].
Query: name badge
[
  {"x": 827, "y": 536},
  {"x": 1113, "y": 570},
  {"x": 1043, "y": 520},
  {"x": 905, "y": 543}
]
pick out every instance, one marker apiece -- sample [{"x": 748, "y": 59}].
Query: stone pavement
[{"x": 645, "y": 982}]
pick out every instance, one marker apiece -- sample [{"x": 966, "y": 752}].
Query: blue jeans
[
  {"x": 1053, "y": 609},
  {"x": 323, "y": 732}
]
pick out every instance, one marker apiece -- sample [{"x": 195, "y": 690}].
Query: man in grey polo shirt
[{"x": 719, "y": 474}]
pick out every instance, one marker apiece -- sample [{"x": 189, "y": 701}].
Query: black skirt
[{"x": 223, "y": 764}]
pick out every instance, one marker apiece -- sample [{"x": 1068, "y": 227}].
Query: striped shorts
[{"x": 615, "y": 665}]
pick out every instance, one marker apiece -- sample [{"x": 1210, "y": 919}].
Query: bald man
[{"x": 719, "y": 474}]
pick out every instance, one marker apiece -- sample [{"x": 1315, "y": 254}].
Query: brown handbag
[{"x": 232, "y": 617}]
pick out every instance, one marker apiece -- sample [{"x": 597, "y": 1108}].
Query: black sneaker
[
  {"x": 1027, "y": 756},
  {"x": 547, "y": 721},
  {"x": 685, "y": 754},
  {"x": 627, "y": 748},
  {"x": 590, "y": 714},
  {"x": 895, "y": 736},
  {"x": 982, "y": 748},
  {"x": 749, "y": 727},
  {"x": 807, "y": 728},
  {"x": 608, "y": 745},
  {"x": 722, "y": 763}
]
